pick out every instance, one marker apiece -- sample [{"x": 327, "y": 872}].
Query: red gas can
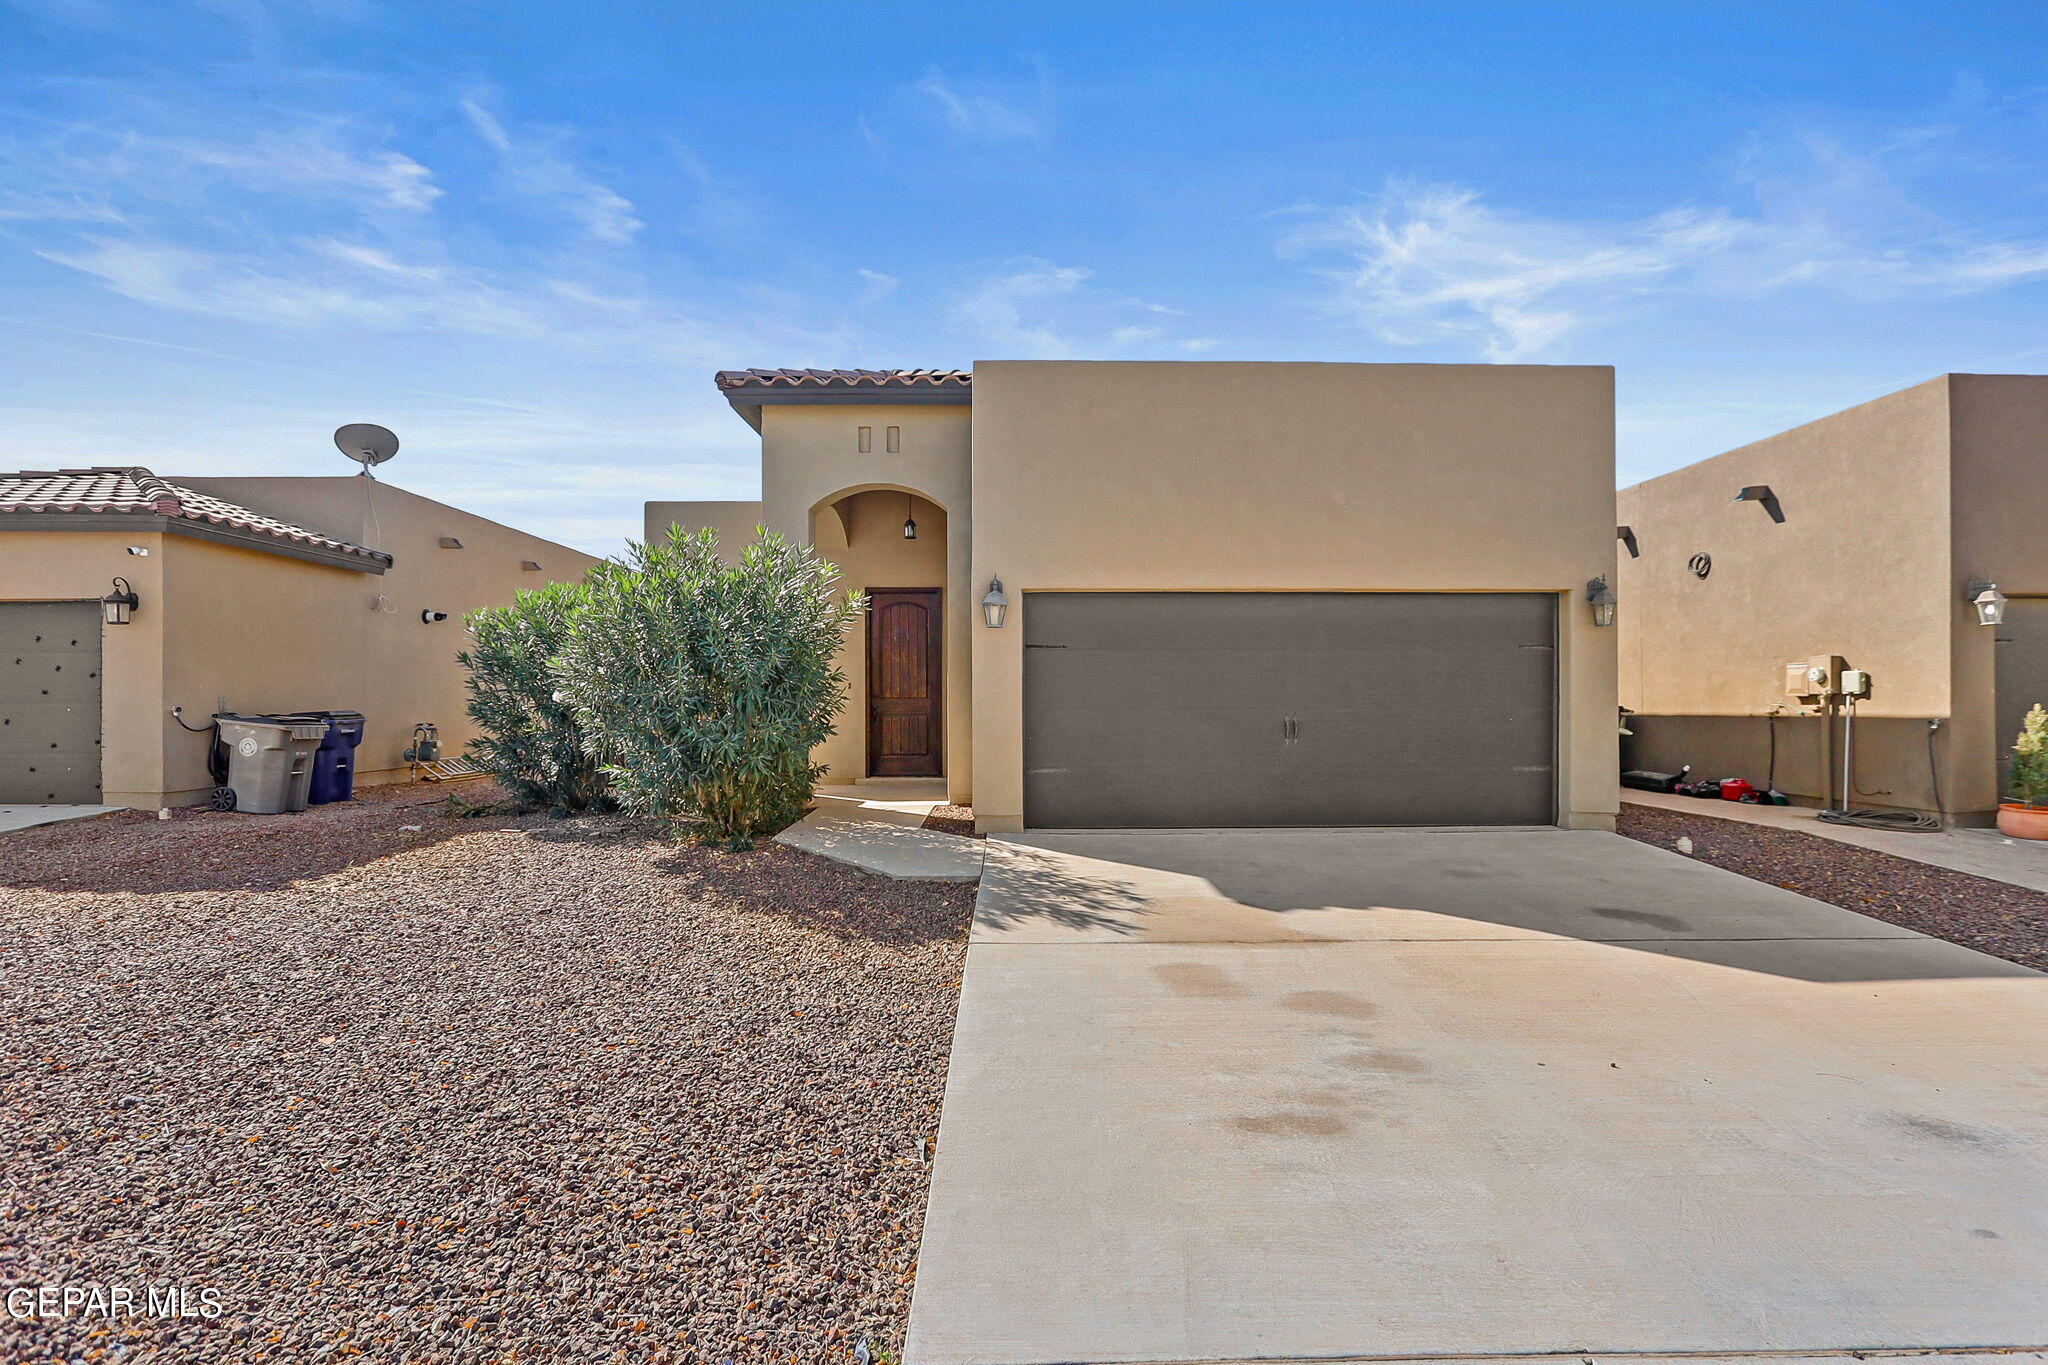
[{"x": 1734, "y": 789}]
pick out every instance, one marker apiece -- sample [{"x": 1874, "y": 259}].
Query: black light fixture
[
  {"x": 1984, "y": 595},
  {"x": 118, "y": 604},
  {"x": 1761, "y": 493},
  {"x": 994, "y": 605},
  {"x": 909, "y": 521},
  {"x": 1600, "y": 597}
]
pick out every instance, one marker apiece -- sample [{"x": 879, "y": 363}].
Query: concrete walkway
[
  {"x": 878, "y": 827},
  {"x": 1233, "y": 1096},
  {"x": 1979, "y": 852},
  {"x": 27, "y": 817}
]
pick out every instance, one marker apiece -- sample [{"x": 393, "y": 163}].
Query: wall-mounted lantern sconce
[
  {"x": 119, "y": 603},
  {"x": 1981, "y": 593},
  {"x": 429, "y": 616},
  {"x": 1761, "y": 492},
  {"x": 994, "y": 605},
  {"x": 1600, "y": 597},
  {"x": 909, "y": 521},
  {"x": 1627, "y": 536}
]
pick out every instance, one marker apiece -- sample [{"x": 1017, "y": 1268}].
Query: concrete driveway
[{"x": 1221, "y": 1096}]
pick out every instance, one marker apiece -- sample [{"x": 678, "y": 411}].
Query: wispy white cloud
[
  {"x": 74, "y": 171},
  {"x": 536, "y": 163},
  {"x": 1422, "y": 264},
  {"x": 1036, "y": 310},
  {"x": 994, "y": 310},
  {"x": 988, "y": 111}
]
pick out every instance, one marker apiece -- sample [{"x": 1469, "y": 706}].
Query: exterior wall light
[
  {"x": 1982, "y": 594},
  {"x": 1600, "y": 596},
  {"x": 909, "y": 521},
  {"x": 117, "y": 604},
  {"x": 994, "y": 605}
]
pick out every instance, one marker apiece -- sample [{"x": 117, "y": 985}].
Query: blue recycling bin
[{"x": 334, "y": 763}]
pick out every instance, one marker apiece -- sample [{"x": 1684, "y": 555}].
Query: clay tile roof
[
  {"x": 61, "y": 492},
  {"x": 845, "y": 379}
]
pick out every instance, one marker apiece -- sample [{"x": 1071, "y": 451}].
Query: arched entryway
[{"x": 890, "y": 543}]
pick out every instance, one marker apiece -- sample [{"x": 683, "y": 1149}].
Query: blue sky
[{"x": 524, "y": 235}]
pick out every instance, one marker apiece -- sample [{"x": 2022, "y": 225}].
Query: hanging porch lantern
[
  {"x": 118, "y": 604},
  {"x": 909, "y": 521},
  {"x": 1600, "y": 597}
]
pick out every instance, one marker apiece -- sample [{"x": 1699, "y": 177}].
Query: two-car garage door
[{"x": 1207, "y": 710}]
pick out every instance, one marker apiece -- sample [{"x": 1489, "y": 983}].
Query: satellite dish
[{"x": 366, "y": 443}]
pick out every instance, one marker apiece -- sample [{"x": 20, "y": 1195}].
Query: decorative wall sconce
[
  {"x": 1984, "y": 595},
  {"x": 1600, "y": 597},
  {"x": 1761, "y": 493},
  {"x": 118, "y": 604},
  {"x": 994, "y": 605}
]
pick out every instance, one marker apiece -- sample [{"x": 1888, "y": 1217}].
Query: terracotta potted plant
[{"x": 2027, "y": 818}]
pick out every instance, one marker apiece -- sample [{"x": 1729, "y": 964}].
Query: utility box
[
  {"x": 270, "y": 760},
  {"x": 1798, "y": 686}
]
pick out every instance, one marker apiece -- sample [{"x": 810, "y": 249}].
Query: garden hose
[{"x": 1904, "y": 821}]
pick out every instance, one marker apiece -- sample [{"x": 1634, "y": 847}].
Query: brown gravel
[
  {"x": 1990, "y": 916},
  {"x": 493, "y": 1089},
  {"x": 952, "y": 820}
]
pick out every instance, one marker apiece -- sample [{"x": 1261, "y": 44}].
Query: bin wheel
[{"x": 223, "y": 798}]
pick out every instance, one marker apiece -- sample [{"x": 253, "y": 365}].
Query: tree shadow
[
  {"x": 776, "y": 881},
  {"x": 135, "y": 853}
]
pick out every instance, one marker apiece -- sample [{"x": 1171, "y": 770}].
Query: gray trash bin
[{"x": 270, "y": 760}]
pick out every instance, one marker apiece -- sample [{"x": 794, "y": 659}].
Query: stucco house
[
  {"x": 1128, "y": 594},
  {"x": 1869, "y": 535},
  {"x": 248, "y": 595}
]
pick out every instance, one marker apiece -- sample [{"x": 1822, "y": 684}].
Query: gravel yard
[
  {"x": 485, "y": 1089},
  {"x": 1992, "y": 917}
]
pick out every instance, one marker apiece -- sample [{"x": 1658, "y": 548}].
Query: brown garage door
[
  {"x": 1202, "y": 710},
  {"x": 2022, "y": 675},
  {"x": 49, "y": 702}
]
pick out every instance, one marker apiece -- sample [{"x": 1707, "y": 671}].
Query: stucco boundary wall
[{"x": 1891, "y": 769}]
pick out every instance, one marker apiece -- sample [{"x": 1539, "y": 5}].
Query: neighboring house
[
  {"x": 1229, "y": 594},
  {"x": 259, "y": 594},
  {"x": 1890, "y": 512}
]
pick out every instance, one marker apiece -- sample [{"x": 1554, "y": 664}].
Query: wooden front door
[{"x": 906, "y": 707}]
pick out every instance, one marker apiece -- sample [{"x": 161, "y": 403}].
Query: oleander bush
[
  {"x": 705, "y": 685},
  {"x": 530, "y": 739}
]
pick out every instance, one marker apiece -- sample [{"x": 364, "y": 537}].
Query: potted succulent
[{"x": 2027, "y": 817}]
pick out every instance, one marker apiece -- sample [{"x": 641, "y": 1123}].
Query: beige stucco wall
[
  {"x": 59, "y": 566},
  {"x": 2000, "y": 520},
  {"x": 810, "y": 464},
  {"x": 365, "y": 647},
  {"x": 220, "y": 627},
  {"x": 1890, "y": 507},
  {"x": 734, "y": 522},
  {"x": 1331, "y": 477},
  {"x": 1859, "y": 567}
]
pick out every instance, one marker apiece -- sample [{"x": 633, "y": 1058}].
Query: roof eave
[
  {"x": 748, "y": 399},
  {"x": 144, "y": 522}
]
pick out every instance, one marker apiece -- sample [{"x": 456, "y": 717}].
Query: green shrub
[
  {"x": 530, "y": 741},
  {"x": 2030, "y": 759},
  {"x": 706, "y": 684}
]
